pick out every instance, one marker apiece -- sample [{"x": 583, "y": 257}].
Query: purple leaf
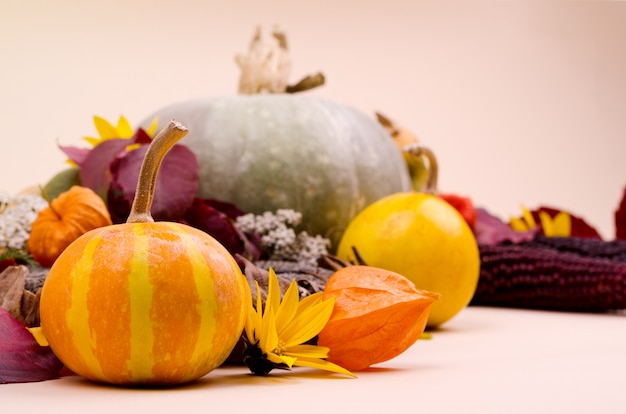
[
  {"x": 175, "y": 190},
  {"x": 216, "y": 218},
  {"x": 95, "y": 172},
  {"x": 21, "y": 358},
  {"x": 490, "y": 230},
  {"x": 231, "y": 210},
  {"x": 77, "y": 155}
]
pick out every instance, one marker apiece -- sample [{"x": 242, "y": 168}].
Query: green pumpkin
[{"x": 270, "y": 151}]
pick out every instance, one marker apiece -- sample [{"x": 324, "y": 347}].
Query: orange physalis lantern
[{"x": 378, "y": 314}]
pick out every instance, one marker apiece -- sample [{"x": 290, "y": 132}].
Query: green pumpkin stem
[
  {"x": 159, "y": 147},
  {"x": 417, "y": 150}
]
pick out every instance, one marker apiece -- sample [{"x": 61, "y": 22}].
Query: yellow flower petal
[
  {"x": 253, "y": 319},
  {"x": 309, "y": 301},
  {"x": 105, "y": 129},
  {"x": 258, "y": 316},
  {"x": 562, "y": 224},
  {"x": 132, "y": 147},
  {"x": 269, "y": 336},
  {"x": 153, "y": 126},
  {"x": 92, "y": 140},
  {"x": 281, "y": 359},
  {"x": 546, "y": 223},
  {"x": 518, "y": 224},
  {"x": 307, "y": 324},
  {"x": 250, "y": 325},
  {"x": 298, "y": 322},
  {"x": 322, "y": 364},
  {"x": 289, "y": 306},
  {"x": 307, "y": 351},
  {"x": 528, "y": 218},
  {"x": 124, "y": 130},
  {"x": 273, "y": 292},
  {"x": 259, "y": 304}
]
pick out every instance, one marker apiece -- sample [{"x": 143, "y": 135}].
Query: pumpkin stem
[
  {"x": 159, "y": 147},
  {"x": 266, "y": 68},
  {"x": 417, "y": 150},
  {"x": 306, "y": 83}
]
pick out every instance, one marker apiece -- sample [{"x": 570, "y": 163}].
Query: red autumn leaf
[
  {"x": 21, "y": 358},
  {"x": 231, "y": 210},
  {"x": 463, "y": 205},
  {"x": 4, "y": 263},
  {"x": 216, "y": 218},
  {"x": 580, "y": 228},
  {"x": 96, "y": 163},
  {"x": 95, "y": 171},
  {"x": 141, "y": 137},
  {"x": 620, "y": 219},
  {"x": 175, "y": 190}
]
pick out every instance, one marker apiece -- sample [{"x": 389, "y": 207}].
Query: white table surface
[{"x": 485, "y": 360}]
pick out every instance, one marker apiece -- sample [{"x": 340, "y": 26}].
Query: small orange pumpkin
[
  {"x": 378, "y": 314},
  {"x": 144, "y": 302},
  {"x": 69, "y": 216}
]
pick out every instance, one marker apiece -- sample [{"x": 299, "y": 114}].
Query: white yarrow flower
[
  {"x": 17, "y": 214},
  {"x": 279, "y": 236}
]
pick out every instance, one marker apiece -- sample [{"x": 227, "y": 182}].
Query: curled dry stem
[
  {"x": 420, "y": 151},
  {"x": 159, "y": 147},
  {"x": 334, "y": 263}
]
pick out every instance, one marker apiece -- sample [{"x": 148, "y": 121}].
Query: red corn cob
[{"x": 538, "y": 277}]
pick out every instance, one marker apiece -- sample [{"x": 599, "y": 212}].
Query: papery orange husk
[{"x": 378, "y": 314}]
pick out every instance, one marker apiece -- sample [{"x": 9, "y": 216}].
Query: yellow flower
[
  {"x": 275, "y": 335},
  {"x": 123, "y": 130},
  {"x": 107, "y": 131},
  {"x": 559, "y": 226}
]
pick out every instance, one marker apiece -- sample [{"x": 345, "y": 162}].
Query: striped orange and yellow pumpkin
[{"x": 144, "y": 302}]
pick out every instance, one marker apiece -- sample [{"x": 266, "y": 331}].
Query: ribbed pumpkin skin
[
  {"x": 144, "y": 303},
  {"x": 80, "y": 209},
  {"x": 264, "y": 152}
]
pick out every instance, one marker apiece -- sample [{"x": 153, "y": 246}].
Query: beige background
[{"x": 523, "y": 102}]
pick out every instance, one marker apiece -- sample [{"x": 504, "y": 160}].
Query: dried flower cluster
[
  {"x": 17, "y": 213},
  {"x": 279, "y": 237}
]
